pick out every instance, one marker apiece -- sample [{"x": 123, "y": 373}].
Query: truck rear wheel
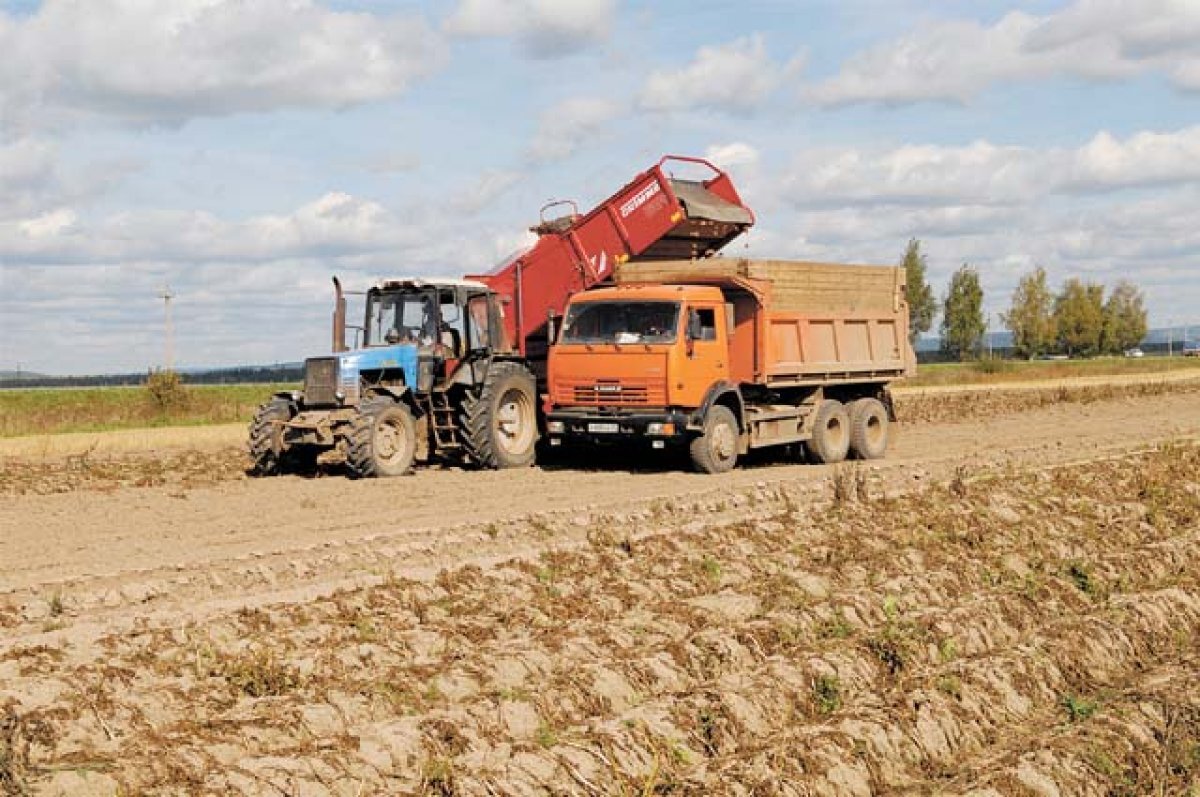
[
  {"x": 869, "y": 429},
  {"x": 499, "y": 424},
  {"x": 715, "y": 450},
  {"x": 383, "y": 440},
  {"x": 265, "y": 443},
  {"x": 831, "y": 433}
]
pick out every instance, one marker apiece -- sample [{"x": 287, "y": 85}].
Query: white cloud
[
  {"x": 333, "y": 224},
  {"x": 33, "y": 180},
  {"x": 148, "y": 62},
  {"x": 738, "y": 77},
  {"x": 563, "y": 128},
  {"x": 543, "y": 28},
  {"x": 56, "y": 222},
  {"x": 1147, "y": 158},
  {"x": 737, "y": 153},
  {"x": 1092, "y": 39},
  {"x": 982, "y": 173},
  {"x": 491, "y": 185}
]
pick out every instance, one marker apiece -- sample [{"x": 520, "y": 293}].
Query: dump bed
[
  {"x": 801, "y": 323},
  {"x": 653, "y": 217}
]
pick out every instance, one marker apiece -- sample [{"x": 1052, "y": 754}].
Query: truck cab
[{"x": 639, "y": 361}]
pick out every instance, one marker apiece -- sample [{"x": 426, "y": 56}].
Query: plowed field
[{"x": 1008, "y": 604}]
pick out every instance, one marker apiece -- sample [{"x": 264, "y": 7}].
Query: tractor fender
[
  {"x": 720, "y": 390},
  {"x": 294, "y": 398}
]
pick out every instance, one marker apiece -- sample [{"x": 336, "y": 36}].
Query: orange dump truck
[{"x": 723, "y": 355}]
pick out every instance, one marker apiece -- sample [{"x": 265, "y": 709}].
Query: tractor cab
[{"x": 415, "y": 333}]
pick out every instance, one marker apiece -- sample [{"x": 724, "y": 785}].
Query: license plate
[{"x": 604, "y": 428}]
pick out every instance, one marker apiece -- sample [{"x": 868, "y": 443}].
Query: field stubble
[{"x": 1006, "y": 631}]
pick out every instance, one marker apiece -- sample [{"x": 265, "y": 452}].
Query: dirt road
[{"x": 176, "y": 547}]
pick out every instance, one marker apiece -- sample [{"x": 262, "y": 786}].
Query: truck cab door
[{"x": 706, "y": 354}]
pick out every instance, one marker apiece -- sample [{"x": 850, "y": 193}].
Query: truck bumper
[{"x": 658, "y": 427}]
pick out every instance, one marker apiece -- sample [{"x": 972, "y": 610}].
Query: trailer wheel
[
  {"x": 499, "y": 423},
  {"x": 265, "y": 443},
  {"x": 831, "y": 433},
  {"x": 715, "y": 450},
  {"x": 383, "y": 440},
  {"x": 869, "y": 429}
]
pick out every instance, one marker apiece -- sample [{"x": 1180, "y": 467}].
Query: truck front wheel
[
  {"x": 868, "y": 429},
  {"x": 499, "y": 423},
  {"x": 831, "y": 433},
  {"x": 715, "y": 450},
  {"x": 383, "y": 440}
]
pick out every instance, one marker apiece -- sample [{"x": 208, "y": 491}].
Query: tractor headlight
[{"x": 556, "y": 427}]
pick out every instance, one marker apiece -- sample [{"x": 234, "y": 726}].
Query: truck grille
[
  {"x": 616, "y": 394},
  {"x": 320, "y": 381}
]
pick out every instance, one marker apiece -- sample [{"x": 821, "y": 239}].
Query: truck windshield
[
  {"x": 409, "y": 317},
  {"x": 621, "y": 322}
]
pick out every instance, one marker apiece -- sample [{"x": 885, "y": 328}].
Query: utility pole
[{"x": 168, "y": 330}]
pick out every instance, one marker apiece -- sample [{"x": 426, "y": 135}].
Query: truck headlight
[
  {"x": 556, "y": 427},
  {"x": 660, "y": 429}
]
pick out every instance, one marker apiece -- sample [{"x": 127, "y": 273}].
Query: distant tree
[
  {"x": 962, "y": 314},
  {"x": 1079, "y": 317},
  {"x": 922, "y": 305},
  {"x": 1030, "y": 317},
  {"x": 1124, "y": 319}
]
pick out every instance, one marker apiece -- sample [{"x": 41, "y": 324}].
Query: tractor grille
[{"x": 320, "y": 381}]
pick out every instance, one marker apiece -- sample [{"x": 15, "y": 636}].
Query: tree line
[{"x": 1082, "y": 319}]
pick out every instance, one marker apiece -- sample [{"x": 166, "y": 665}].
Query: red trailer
[{"x": 654, "y": 217}]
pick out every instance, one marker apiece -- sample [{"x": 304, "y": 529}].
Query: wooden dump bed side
[{"x": 817, "y": 323}]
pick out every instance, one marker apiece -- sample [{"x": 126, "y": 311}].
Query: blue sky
[{"x": 244, "y": 153}]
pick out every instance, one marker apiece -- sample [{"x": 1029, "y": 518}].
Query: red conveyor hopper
[{"x": 654, "y": 217}]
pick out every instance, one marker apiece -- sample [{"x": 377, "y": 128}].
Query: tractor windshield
[
  {"x": 621, "y": 322},
  {"x": 408, "y": 317}
]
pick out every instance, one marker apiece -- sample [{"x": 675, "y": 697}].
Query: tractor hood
[{"x": 327, "y": 378}]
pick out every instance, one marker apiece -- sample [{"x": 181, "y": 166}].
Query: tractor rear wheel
[
  {"x": 265, "y": 443},
  {"x": 383, "y": 440},
  {"x": 715, "y": 450},
  {"x": 868, "y": 429},
  {"x": 498, "y": 424},
  {"x": 831, "y": 434}
]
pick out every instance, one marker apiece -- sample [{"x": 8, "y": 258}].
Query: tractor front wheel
[
  {"x": 265, "y": 443},
  {"x": 383, "y": 440}
]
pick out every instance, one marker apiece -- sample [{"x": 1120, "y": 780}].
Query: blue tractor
[{"x": 429, "y": 375}]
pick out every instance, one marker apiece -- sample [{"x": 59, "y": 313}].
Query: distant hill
[
  {"x": 246, "y": 374},
  {"x": 12, "y": 376}
]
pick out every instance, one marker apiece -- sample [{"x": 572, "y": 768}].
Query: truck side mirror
[{"x": 693, "y": 332}]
